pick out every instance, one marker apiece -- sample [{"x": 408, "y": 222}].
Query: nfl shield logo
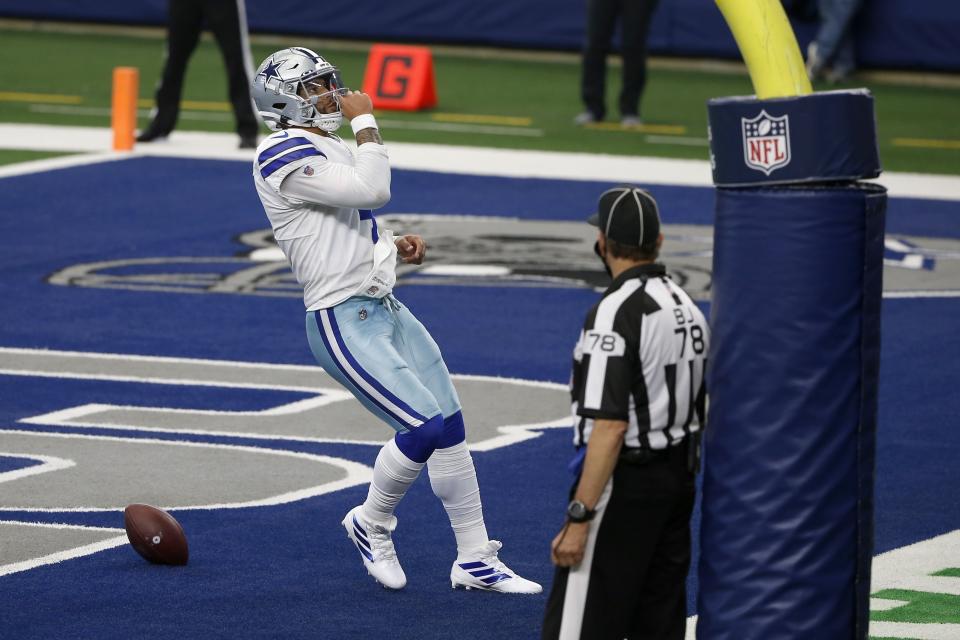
[{"x": 766, "y": 142}]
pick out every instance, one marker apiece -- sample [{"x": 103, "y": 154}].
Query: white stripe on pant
[
  {"x": 578, "y": 579},
  {"x": 356, "y": 378}
]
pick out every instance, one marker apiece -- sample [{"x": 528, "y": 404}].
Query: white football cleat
[
  {"x": 482, "y": 569},
  {"x": 375, "y": 545}
]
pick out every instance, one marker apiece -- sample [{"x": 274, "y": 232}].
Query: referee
[
  {"x": 228, "y": 21},
  {"x": 638, "y": 402}
]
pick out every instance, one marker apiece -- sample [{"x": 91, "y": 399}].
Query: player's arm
[
  {"x": 366, "y": 185},
  {"x": 358, "y": 109}
]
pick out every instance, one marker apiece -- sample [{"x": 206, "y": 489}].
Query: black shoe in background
[
  {"x": 152, "y": 134},
  {"x": 248, "y": 142}
]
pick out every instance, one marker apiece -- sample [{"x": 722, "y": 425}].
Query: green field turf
[
  {"x": 10, "y": 156},
  {"x": 76, "y": 91}
]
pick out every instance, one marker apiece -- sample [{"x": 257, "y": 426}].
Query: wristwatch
[{"x": 578, "y": 512}]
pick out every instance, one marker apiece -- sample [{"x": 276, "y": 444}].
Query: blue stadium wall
[{"x": 909, "y": 34}]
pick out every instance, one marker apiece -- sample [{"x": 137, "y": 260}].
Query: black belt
[{"x": 641, "y": 456}]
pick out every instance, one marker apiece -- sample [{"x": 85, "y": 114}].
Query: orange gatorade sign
[{"x": 400, "y": 77}]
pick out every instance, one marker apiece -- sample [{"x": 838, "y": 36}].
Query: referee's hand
[{"x": 568, "y": 546}]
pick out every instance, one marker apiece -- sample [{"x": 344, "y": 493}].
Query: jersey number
[
  {"x": 686, "y": 326},
  {"x": 696, "y": 339},
  {"x": 602, "y": 343}
]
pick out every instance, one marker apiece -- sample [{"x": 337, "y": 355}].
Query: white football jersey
[{"x": 319, "y": 198}]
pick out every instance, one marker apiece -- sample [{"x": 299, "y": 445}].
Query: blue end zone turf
[
  {"x": 15, "y": 463},
  {"x": 287, "y": 571}
]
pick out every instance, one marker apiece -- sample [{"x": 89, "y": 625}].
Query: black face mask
[{"x": 596, "y": 250}]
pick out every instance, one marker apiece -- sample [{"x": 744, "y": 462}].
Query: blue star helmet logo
[{"x": 271, "y": 71}]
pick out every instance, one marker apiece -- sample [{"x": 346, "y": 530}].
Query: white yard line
[{"x": 440, "y": 158}]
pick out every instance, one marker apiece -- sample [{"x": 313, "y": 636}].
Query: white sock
[
  {"x": 393, "y": 473},
  {"x": 454, "y": 480}
]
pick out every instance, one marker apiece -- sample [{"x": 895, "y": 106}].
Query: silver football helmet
[{"x": 289, "y": 86}]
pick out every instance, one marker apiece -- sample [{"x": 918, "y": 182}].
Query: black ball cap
[{"x": 628, "y": 215}]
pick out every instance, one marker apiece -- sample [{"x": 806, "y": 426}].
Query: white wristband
[{"x": 363, "y": 121}]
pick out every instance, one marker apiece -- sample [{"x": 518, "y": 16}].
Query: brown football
[{"x": 155, "y": 534}]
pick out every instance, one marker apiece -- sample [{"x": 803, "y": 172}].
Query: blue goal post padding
[
  {"x": 824, "y": 136},
  {"x": 787, "y": 533}
]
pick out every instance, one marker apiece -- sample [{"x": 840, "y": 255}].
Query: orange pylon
[{"x": 124, "y": 107}]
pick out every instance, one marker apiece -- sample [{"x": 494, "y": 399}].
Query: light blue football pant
[{"x": 380, "y": 352}]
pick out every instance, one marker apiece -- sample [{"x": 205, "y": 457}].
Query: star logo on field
[{"x": 272, "y": 70}]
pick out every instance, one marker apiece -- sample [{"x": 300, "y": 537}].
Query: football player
[{"x": 319, "y": 196}]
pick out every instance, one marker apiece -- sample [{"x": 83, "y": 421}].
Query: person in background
[
  {"x": 832, "y": 54},
  {"x": 635, "y": 16},
  {"x": 228, "y": 22}
]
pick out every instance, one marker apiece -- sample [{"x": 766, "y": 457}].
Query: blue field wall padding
[
  {"x": 890, "y": 33},
  {"x": 787, "y": 529}
]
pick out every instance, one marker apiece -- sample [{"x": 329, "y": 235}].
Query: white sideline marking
[
  {"x": 356, "y": 474},
  {"x": 51, "y": 164},
  {"x": 60, "y": 556},
  {"x": 47, "y": 464},
  {"x": 70, "y": 417},
  {"x": 451, "y": 159}
]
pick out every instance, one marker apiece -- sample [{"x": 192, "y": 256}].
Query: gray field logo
[
  {"x": 492, "y": 251},
  {"x": 126, "y": 460}
]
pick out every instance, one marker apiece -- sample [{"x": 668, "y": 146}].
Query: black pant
[
  {"x": 187, "y": 20},
  {"x": 637, "y": 581},
  {"x": 635, "y": 18}
]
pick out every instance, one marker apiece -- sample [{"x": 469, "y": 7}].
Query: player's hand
[
  {"x": 569, "y": 545},
  {"x": 411, "y": 249},
  {"x": 355, "y": 103}
]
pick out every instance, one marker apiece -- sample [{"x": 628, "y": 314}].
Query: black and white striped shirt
[{"x": 641, "y": 358}]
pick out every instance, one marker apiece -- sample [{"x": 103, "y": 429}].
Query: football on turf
[{"x": 155, "y": 534}]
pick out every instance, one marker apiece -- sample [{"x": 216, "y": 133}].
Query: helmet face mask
[
  {"x": 322, "y": 91},
  {"x": 297, "y": 87}
]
